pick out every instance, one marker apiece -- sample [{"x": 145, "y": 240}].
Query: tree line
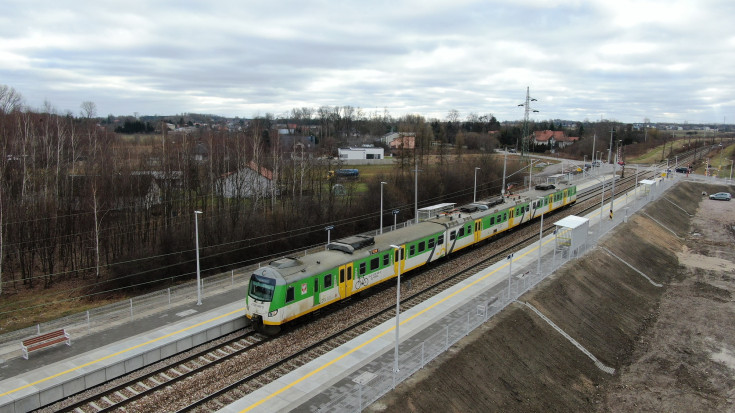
[{"x": 82, "y": 204}]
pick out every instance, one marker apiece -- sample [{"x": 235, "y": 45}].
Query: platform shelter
[{"x": 571, "y": 236}]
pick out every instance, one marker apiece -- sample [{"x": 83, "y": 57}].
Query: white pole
[
  {"x": 510, "y": 272},
  {"x": 474, "y": 193},
  {"x": 612, "y": 198},
  {"x": 594, "y": 141},
  {"x": 416, "y": 194},
  {"x": 196, "y": 232},
  {"x": 540, "y": 237},
  {"x": 397, "y": 259},
  {"x": 381, "y": 206},
  {"x": 602, "y": 202},
  {"x": 505, "y": 161}
]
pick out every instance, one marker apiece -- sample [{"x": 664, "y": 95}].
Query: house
[
  {"x": 388, "y": 137},
  {"x": 200, "y": 152},
  {"x": 365, "y": 152},
  {"x": 403, "y": 141},
  {"x": 246, "y": 182},
  {"x": 553, "y": 139}
]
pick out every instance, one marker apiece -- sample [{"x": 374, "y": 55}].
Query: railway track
[
  {"x": 136, "y": 386},
  {"x": 210, "y": 379},
  {"x": 237, "y": 390}
]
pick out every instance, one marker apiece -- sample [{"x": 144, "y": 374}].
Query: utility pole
[
  {"x": 609, "y": 149},
  {"x": 594, "y": 141},
  {"x": 620, "y": 159},
  {"x": 525, "y": 137}
]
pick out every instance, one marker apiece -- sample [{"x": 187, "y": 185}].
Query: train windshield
[{"x": 261, "y": 288}]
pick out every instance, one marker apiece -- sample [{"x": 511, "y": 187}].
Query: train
[{"x": 289, "y": 288}]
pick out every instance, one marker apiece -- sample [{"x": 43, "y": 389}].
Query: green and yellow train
[{"x": 290, "y": 287}]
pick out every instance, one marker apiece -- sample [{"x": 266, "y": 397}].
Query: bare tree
[
  {"x": 89, "y": 109},
  {"x": 10, "y": 100}
]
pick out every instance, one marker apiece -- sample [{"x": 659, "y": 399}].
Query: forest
[{"x": 105, "y": 206}]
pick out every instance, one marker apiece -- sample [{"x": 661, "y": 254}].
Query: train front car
[{"x": 259, "y": 303}]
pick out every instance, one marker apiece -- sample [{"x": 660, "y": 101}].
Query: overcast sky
[{"x": 624, "y": 60}]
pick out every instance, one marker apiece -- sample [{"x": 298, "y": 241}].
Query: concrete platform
[
  {"x": 340, "y": 373},
  {"x": 58, "y": 372}
]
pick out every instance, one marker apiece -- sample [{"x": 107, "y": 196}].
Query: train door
[
  {"x": 342, "y": 278},
  {"x": 348, "y": 280},
  {"x": 399, "y": 260},
  {"x": 345, "y": 280},
  {"x": 316, "y": 291},
  {"x": 478, "y": 230},
  {"x": 511, "y": 213},
  {"x": 565, "y": 196}
]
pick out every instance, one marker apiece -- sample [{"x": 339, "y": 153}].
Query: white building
[
  {"x": 245, "y": 182},
  {"x": 347, "y": 154}
]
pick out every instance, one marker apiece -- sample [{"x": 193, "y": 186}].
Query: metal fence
[
  {"x": 116, "y": 314},
  {"x": 121, "y": 312},
  {"x": 377, "y": 378}
]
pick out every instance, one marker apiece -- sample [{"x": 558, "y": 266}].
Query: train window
[
  {"x": 363, "y": 268},
  {"x": 374, "y": 264},
  {"x": 505, "y": 217},
  {"x": 386, "y": 259},
  {"x": 289, "y": 294},
  {"x": 440, "y": 240},
  {"x": 327, "y": 281},
  {"x": 528, "y": 208},
  {"x": 349, "y": 273},
  {"x": 342, "y": 275},
  {"x": 411, "y": 250},
  {"x": 461, "y": 232},
  {"x": 469, "y": 229},
  {"x": 452, "y": 235},
  {"x": 431, "y": 243},
  {"x": 316, "y": 285},
  {"x": 492, "y": 221},
  {"x": 422, "y": 246}
]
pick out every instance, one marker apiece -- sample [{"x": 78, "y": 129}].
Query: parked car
[{"x": 721, "y": 196}]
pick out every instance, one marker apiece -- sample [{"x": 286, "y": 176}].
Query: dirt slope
[{"x": 673, "y": 347}]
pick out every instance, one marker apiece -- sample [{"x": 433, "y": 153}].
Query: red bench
[{"x": 44, "y": 340}]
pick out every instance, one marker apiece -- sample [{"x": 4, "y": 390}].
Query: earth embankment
[{"x": 672, "y": 346}]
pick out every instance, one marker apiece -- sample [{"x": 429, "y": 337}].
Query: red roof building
[{"x": 553, "y": 138}]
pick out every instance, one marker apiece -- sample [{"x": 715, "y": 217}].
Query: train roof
[{"x": 286, "y": 270}]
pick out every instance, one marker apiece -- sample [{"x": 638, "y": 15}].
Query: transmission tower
[{"x": 526, "y": 138}]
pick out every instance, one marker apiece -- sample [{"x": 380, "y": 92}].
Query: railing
[{"x": 378, "y": 378}]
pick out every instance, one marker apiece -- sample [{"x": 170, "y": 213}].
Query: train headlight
[{"x": 272, "y": 313}]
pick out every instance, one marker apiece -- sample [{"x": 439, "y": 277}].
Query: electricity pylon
[{"x": 526, "y": 138}]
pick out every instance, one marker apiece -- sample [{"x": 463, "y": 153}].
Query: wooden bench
[{"x": 44, "y": 340}]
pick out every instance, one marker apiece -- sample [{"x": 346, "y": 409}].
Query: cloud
[{"x": 627, "y": 60}]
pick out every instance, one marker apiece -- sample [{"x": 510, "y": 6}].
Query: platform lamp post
[
  {"x": 474, "y": 193},
  {"x": 395, "y": 218},
  {"x": 416, "y": 194},
  {"x": 397, "y": 258},
  {"x": 329, "y": 233},
  {"x": 730, "y": 178},
  {"x": 381, "y": 206},
  {"x": 505, "y": 161},
  {"x": 612, "y": 191},
  {"x": 196, "y": 236}
]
